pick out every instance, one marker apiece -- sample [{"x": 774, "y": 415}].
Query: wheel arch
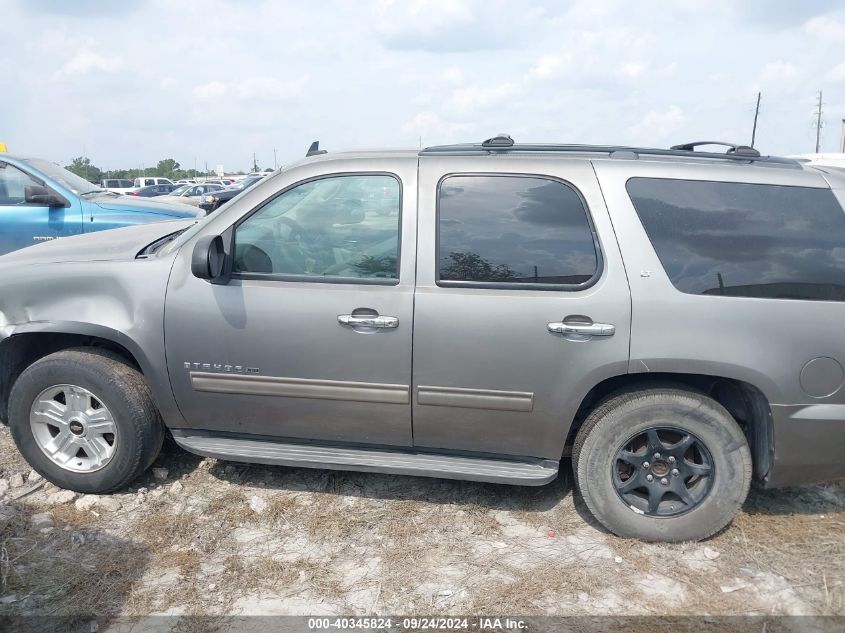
[
  {"x": 31, "y": 341},
  {"x": 748, "y": 405}
]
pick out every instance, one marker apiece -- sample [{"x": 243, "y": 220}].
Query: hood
[
  {"x": 115, "y": 244},
  {"x": 177, "y": 201},
  {"x": 147, "y": 205}
]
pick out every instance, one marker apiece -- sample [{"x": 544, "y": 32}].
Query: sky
[{"x": 214, "y": 81}]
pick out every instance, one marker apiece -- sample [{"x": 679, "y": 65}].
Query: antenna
[
  {"x": 819, "y": 122},
  {"x": 314, "y": 149},
  {"x": 756, "y": 114}
]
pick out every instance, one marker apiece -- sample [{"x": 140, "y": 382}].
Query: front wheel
[
  {"x": 665, "y": 464},
  {"x": 85, "y": 420}
]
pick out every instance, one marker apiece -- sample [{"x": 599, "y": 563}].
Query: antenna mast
[{"x": 756, "y": 114}]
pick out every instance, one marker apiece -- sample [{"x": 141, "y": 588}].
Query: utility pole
[
  {"x": 842, "y": 144},
  {"x": 254, "y": 163},
  {"x": 819, "y": 122},
  {"x": 756, "y": 114}
]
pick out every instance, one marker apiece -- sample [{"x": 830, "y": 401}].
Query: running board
[{"x": 534, "y": 472}]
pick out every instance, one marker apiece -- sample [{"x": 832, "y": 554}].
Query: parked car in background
[
  {"x": 223, "y": 182},
  {"x": 41, "y": 201},
  {"x": 213, "y": 201},
  {"x": 117, "y": 185},
  {"x": 152, "y": 191},
  {"x": 190, "y": 194},
  {"x": 185, "y": 181},
  {"x": 669, "y": 317},
  {"x": 146, "y": 181}
]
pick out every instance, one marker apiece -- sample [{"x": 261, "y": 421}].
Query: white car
[
  {"x": 117, "y": 185},
  {"x": 147, "y": 181}
]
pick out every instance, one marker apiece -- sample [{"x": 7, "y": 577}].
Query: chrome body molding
[
  {"x": 300, "y": 388},
  {"x": 475, "y": 398}
]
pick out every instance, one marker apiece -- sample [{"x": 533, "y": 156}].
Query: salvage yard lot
[{"x": 201, "y": 536}]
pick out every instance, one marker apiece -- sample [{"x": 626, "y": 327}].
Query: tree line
[{"x": 166, "y": 168}]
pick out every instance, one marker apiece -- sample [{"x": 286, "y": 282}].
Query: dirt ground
[{"x": 201, "y": 536}]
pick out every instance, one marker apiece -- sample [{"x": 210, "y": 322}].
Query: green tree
[
  {"x": 81, "y": 166},
  {"x": 473, "y": 267},
  {"x": 166, "y": 167}
]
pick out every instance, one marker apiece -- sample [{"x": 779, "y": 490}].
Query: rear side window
[
  {"x": 745, "y": 240},
  {"x": 518, "y": 230}
]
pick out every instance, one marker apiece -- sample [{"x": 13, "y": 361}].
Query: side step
[{"x": 535, "y": 472}]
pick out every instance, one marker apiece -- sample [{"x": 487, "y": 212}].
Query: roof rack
[{"x": 502, "y": 143}]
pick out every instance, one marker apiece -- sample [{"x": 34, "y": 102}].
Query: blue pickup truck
[{"x": 40, "y": 201}]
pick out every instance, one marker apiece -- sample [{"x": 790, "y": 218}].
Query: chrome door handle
[
  {"x": 585, "y": 329},
  {"x": 368, "y": 321}
]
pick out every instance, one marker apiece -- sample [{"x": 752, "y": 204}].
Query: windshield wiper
[{"x": 88, "y": 193}]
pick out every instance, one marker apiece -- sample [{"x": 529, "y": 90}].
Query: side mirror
[
  {"x": 36, "y": 194},
  {"x": 208, "y": 260}
]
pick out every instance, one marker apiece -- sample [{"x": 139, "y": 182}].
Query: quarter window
[
  {"x": 745, "y": 240},
  {"x": 513, "y": 230},
  {"x": 337, "y": 227}
]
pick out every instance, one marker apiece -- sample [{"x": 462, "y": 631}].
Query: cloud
[
  {"x": 259, "y": 89},
  {"x": 217, "y": 80},
  {"x": 549, "y": 66},
  {"x": 633, "y": 70},
  {"x": 778, "y": 71},
  {"x": 825, "y": 27},
  {"x": 211, "y": 90},
  {"x": 658, "y": 124},
  {"x": 85, "y": 60},
  {"x": 837, "y": 73},
  {"x": 466, "y": 100}
]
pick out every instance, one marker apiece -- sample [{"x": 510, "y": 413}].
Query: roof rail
[
  {"x": 502, "y": 143},
  {"x": 743, "y": 150}
]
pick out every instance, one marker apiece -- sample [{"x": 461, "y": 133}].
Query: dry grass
[{"x": 73, "y": 575}]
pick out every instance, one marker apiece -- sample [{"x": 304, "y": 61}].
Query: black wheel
[
  {"x": 85, "y": 420},
  {"x": 662, "y": 464}
]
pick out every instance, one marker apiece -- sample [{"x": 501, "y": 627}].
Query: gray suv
[{"x": 672, "y": 319}]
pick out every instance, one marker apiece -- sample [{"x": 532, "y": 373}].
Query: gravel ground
[{"x": 201, "y": 536}]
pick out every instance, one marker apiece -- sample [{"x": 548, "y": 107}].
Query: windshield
[
  {"x": 180, "y": 190},
  {"x": 62, "y": 176}
]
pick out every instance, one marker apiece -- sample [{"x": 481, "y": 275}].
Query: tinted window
[
  {"x": 513, "y": 229},
  {"x": 745, "y": 240},
  {"x": 331, "y": 227}
]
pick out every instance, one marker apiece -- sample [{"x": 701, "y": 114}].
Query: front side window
[
  {"x": 13, "y": 184},
  {"x": 336, "y": 227},
  {"x": 745, "y": 240},
  {"x": 513, "y": 230}
]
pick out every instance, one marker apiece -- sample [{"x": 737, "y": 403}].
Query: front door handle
[
  {"x": 368, "y": 321},
  {"x": 584, "y": 329}
]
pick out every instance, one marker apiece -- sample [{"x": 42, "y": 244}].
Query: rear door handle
[
  {"x": 368, "y": 321},
  {"x": 584, "y": 329}
]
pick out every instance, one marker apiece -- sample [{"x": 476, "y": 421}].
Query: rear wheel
[
  {"x": 665, "y": 464},
  {"x": 85, "y": 420}
]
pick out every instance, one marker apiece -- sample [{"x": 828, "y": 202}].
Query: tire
[
  {"x": 612, "y": 480},
  {"x": 116, "y": 398}
]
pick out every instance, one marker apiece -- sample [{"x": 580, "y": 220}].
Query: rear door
[{"x": 522, "y": 303}]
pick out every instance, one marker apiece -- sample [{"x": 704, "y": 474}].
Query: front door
[
  {"x": 311, "y": 339},
  {"x": 24, "y": 224},
  {"x": 522, "y": 303}
]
